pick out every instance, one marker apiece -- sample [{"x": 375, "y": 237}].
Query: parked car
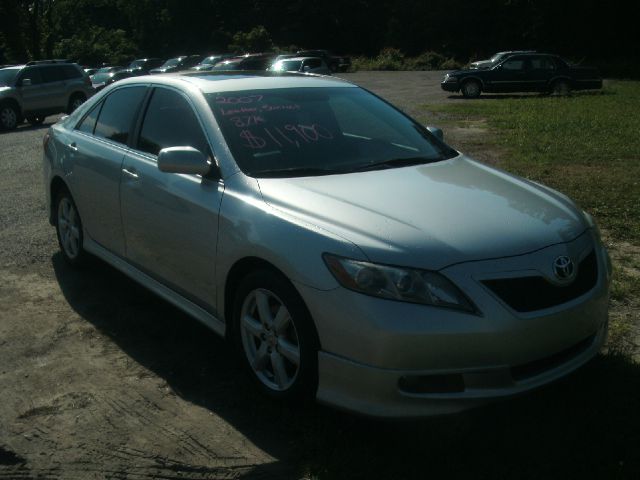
[
  {"x": 301, "y": 64},
  {"x": 208, "y": 62},
  {"x": 90, "y": 70},
  {"x": 142, "y": 66},
  {"x": 38, "y": 89},
  {"x": 336, "y": 63},
  {"x": 345, "y": 249},
  {"x": 497, "y": 58},
  {"x": 532, "y": 72},
  {"x": 251, "y": 61},
  {"x": 103, "y": 76},
  {"x": 177, "y": 64}
]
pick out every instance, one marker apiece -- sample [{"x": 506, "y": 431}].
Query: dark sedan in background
[
  {"x": 176, "y": 64},
  {"x": 208, "y": 62},
  {"x": 533, "y": 72},
  {"x": 142, "y": 66}
]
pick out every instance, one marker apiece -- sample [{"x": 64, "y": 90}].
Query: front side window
[
  {"x": 118, "y": 111},
  {"x": 170, "y": 122},
  {"x": 32, "y": 74},
  {"x": 308, "y": 131},
  {"x": 514, "y": 64}
]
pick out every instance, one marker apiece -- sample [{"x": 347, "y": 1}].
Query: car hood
[{"x": 431, "y": 216}]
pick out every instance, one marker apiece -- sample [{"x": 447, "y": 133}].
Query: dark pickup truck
[
  {"x": 335, "y": 62},
  {"x": 535, "y": 72}
]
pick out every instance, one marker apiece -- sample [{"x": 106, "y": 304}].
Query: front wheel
[
  {"x": 69, "y": 229},
  {"x": 471, "y": 89},
  {"x": 274, "y": 330},
  {"x": 8, "y": 117},
  {"x": 561, "y": 88}
]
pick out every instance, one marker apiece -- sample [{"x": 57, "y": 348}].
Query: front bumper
[
  {"x": 370, "y": 346},
  {"x": 450, "y": 86}
]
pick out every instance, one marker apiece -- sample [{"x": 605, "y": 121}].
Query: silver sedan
[{"x": 347, "y": 251}]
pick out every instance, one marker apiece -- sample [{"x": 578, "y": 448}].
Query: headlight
[
  {"x": 397, "y": 283},
  {"x": 592, "y": 224},
  {"x": 449, "y": 79}
]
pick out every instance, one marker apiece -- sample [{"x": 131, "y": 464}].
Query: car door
[
  {"x": 170, "y": 220},
  {"x": 34, "y": 97},
  {"x": 97, "y": 148},
  {"x": 510, "y": 75}
]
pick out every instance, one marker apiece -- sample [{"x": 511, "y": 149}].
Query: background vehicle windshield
[
  {"x": 313, "y": 131},
  {"x": 171, "y": 62},
  {"x": 136, "y": 63},
  {"x": 7, "y": 75},
  {"x": 288, "y": 65}
]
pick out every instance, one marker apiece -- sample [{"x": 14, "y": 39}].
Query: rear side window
[
  {"x": 52, "y": 74},
  {"x": 514, "y": 64},
  {"x": 542, "y": 63},
  {"x": 170, "y": 122},
  {"x": 89, "y": 123},
  {"x": 71, "y": 72},
  {"x": 118, "y": 111},
  {"x": 314, "y": 63}
]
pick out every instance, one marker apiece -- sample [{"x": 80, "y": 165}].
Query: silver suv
[{"x": 38, "y": 89}]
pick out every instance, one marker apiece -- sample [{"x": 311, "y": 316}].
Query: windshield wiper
[
  {"x": 393, "y": 163},
  {"x": 294, "y": 172}
]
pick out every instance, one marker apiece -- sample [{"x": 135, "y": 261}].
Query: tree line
[{"x": 112, "y": 31}]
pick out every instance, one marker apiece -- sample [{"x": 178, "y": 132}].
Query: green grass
[{"x": 586, "y": 145}]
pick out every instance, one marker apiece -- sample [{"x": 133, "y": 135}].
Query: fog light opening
[{"x": 417, "y": 384}]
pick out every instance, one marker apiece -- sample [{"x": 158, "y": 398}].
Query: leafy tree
[{"x": 255, "y": 40}]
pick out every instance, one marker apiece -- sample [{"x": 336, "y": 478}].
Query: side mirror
[
  {"x": 183, "y": 160},
  {"x": 436, "y": 132},
  {"x": 26, "y": 82}
]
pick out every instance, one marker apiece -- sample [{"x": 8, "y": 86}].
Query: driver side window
[{"x": 514, "y": 64}]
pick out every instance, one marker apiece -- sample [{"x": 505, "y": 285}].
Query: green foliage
[
  {"x": 96, "y": 45},
  {"x": 394, "y": 59},
  {"x": 255, "y": 40}
]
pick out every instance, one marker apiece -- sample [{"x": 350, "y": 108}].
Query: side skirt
[{"x": 156, "y": 287}]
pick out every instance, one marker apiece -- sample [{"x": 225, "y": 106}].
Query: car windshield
[
  {"x": 287, "y": 66},
  {"x": 496, "y": 57},
  {"x": 210, "y": 60},
  {"x": 171, "y": 62},
  {"x": 7, "y": 75},
  {"x": 318, "y": 131},
  {"x": 136, "y": 63},
  {"x": 234, "y": 65}
]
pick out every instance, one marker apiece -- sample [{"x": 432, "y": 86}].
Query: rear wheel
[
  {"x": 471, "y": 89},
  {"x": 8, "y": 117},
  {"x": 69, "y": 229},
  {"x": 274, "y": 330},
  {"x": 75, "y": 101}
]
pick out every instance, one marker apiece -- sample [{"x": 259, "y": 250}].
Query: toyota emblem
[{"x": 563, "y": 268}]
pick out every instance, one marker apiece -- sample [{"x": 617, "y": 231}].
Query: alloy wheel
[
  {"x": 69, "y": 228},
  {"x": 270, "y": 339},
  {"x": 8, "y": 118}
]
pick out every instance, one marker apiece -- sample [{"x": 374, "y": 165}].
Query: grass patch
[{"x": 586, "y": 145}]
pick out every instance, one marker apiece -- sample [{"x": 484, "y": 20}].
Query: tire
[
  {"x": 75, "y": 101},
  {"x": 274, "y": 331},
  {"x": 561, "y": 88},
  {"x": 69, "y": 230},
  {"x": 36, "y": 120},
  {"x": 471, "y": 89},
  {"x": 9, "y": 117}
]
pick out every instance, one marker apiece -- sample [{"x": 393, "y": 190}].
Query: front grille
[
  {"x": 531, "y": 369},
  {"x": 527, "y": 294}
]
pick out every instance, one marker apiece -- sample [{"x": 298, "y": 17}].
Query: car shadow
[
  {"x": 27, "y": 127},
  {"x": 506, "y": 96},
  {"x": 585, "y": 426}
]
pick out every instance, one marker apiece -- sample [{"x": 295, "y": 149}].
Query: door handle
[
  {"x": 130, "y": 171},
  {"x": 73, "y": 146}
]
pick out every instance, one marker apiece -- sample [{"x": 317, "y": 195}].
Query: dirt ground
[{"x": 101, "y": 379}]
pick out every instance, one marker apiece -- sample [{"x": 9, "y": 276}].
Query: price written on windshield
[{"x": 285, "y": 135}]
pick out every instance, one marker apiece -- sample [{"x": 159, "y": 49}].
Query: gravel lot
[{"x": 101, "y": 379}]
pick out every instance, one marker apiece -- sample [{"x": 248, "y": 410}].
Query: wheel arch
[
  {"x": 56, "y": 186},
  {"x": 477, "y": 79},
  {"x": 237, "y": 272},
  {"x": 14, "y": 103}
]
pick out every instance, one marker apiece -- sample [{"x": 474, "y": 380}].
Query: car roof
[
  {"x": 298, "y": 59},
  {"x": 212, "y": 82}
]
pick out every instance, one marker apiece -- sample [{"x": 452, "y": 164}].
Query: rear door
[
  {"x": 171, "y": 220},
  {"x": 98, "y": 146},
  {"x": 541, "y": 70}
]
